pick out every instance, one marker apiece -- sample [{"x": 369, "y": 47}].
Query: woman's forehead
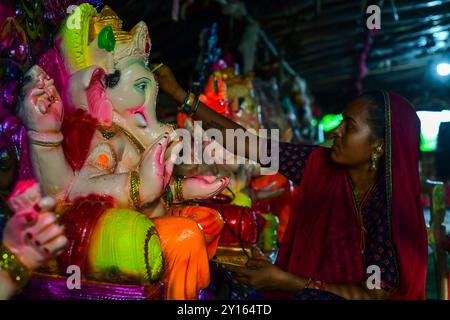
[{"x": 357, "y": 110}]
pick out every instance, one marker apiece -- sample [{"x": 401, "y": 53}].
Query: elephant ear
[
  {"x": 89, "y": 109},
  {"x": 86, "y": 91},
  {"x": 99, "y": 106}
]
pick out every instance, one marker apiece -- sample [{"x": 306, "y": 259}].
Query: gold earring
[
  {"x": 374, "y": 158},
  {"x": 373, "y": 161}
]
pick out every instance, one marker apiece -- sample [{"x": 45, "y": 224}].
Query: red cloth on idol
[
  {"x": 80, "y": 220},
  {"x": 78, "y": 129},
  {"x": 322, "y": 240}
]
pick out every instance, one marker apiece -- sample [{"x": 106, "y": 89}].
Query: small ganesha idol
[{"x": 99, "y": 150}]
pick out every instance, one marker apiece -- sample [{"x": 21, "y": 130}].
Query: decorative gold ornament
[
  {"x": 11, "y": 264},
  {"x": 135, "y": 183}
]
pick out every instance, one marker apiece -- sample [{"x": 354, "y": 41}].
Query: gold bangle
[
  {"x": 188, "y": 103},
  {"x": 45, "y": 143},
  {"x": 135, "y": 182},
  {"x": 157, "y": 67},
  {"x": 191, "y": 99},
  {"x": 168, "y": 197},
  {"x": 9, "y": 263},
  {"x": 50, "y": 140}
]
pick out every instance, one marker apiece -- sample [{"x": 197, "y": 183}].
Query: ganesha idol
[{"x": 99, "y": 150}]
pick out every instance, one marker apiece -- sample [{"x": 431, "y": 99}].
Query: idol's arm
[
  {"x": 52, "y": 170},
  {"x": 41, "y": 112}
]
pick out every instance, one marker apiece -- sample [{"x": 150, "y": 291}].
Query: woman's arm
[
  {"x": 288, "y": 159},
  {"x": 210, "y": 119},
  {"x": 262, "y": 275}
]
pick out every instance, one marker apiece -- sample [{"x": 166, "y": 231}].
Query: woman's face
[{"x": 353, "y": 143}]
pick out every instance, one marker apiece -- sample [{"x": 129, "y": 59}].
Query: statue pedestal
[{"x": 44, "y": 287}]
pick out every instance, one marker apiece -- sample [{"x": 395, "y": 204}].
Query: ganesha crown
[{"x": 76, "y": 41}]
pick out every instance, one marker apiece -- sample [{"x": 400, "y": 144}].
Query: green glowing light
[{"x": 330, "y": 121}]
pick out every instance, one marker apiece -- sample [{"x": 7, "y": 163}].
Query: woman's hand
[
  {"x": 265, "y": 193},
  {"x": 169, "y": 84},
  {"x": 259, "y": 274}
]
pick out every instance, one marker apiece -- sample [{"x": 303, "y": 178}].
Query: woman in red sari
[{"x": 357, "y": 230}]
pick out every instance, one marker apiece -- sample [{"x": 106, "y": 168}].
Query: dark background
[{"x": 321, "y": 39}]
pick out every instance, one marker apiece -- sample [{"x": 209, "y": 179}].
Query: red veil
[{"x": 322, "y": 240}]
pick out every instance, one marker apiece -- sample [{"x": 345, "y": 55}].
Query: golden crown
[
  {"x": 76, "y": 41},
  {"x": 108, "y": 17}
]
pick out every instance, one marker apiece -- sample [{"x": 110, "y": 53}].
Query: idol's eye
[{"x": 142, "y": 85}]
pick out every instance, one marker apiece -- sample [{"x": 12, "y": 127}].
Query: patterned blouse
[{"x": 379, "y": 250}]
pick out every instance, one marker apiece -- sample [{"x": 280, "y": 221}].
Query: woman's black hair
[{"x": 376, "y": 110}]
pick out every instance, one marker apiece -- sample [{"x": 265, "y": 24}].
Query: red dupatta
[{"x": 323, "y": 236}]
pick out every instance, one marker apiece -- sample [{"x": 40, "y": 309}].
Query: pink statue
[{"x": 99, "y": 150}]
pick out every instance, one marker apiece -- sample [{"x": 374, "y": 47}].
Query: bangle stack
[
  {"x": 190, "y": 104},
  {"x": 168, "y": 196},
  {"x": 178, "y": 187},
  {"x": 134, "y": 188},
  {"x": 11, "y": 264}
]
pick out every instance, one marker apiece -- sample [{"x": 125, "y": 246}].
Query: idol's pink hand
[
  {"x": 41, "y": 109},
  {"x": 153, "y": 172},
  {"x": 173, "y": 151},
  {"x": 34, "y": 238},
  {"x": 203, "y": 187}
]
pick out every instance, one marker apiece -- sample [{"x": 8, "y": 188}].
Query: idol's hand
[
  {"x": 32, "y": 233},
  {"x": 34, "y": 238},
  {"x": 155, "y": 171},
  {"x": 41, "y": 109},
  {"x": 203, "y": 187}
]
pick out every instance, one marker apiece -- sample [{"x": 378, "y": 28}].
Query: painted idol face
[{"x": 132, "y": 90}]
